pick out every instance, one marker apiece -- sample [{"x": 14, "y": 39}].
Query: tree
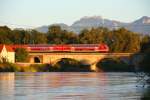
[
  {"x": 92, "y": 36},
  {"x": 16, "y": 36},
  {"x": 26, "y": 37},
  {"x": 145, "y": 44},
  {"x": 21, "y": 55},
  {"x": 56, "y": 35},
  {"x": 55, "y": 29},
  {"x": 5, "y": 33},
  {"x": 20, "y": 36},
  {"x": 38, "y": 38},
  {"x": 145, "y": 63},
  {"x": 124, "y": 41}
]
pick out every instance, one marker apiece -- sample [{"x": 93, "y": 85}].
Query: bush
[
  {"x": 145, "y": 64},
  {"x": 8, "y": 67},
  {"x": 114, "y": 65},
  {"x": 21, "y": 55},
  {"x": 40, "y": 68}
]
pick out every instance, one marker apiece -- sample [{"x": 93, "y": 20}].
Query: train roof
[{"x": 74, "y": 45}]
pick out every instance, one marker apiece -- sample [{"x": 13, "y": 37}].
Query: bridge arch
[
  {"x": 64, "y": 59},
  {"x": 37, "y": 59},
  {"x": 70, "y": 64},
  {"x": 34, "y": 59}
]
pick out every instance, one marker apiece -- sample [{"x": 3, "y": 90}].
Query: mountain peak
[
  {"x": 145, "y": 17},
  {"x": 141, "y": 25},
  {"x": 89, "y": 21},
  {"x": 143, "y": 20},
  {"x": 92, "y": 17}
]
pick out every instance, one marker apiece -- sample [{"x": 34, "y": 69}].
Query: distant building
[{"x": 7, "y": 53}]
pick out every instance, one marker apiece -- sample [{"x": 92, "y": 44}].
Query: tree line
[{"x": 119, "y": 40}]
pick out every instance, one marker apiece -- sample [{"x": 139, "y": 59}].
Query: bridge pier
[{"x": 93, "y": 67}]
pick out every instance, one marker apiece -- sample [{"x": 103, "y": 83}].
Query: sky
[{"x": 35, "y": 13}]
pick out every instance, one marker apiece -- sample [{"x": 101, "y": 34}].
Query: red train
[{"x": 69, "y": 48}]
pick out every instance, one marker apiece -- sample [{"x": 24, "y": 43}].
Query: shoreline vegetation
[{"x": 69, "y": 65}]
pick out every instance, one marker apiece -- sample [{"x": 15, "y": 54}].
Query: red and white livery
[{"x": 68, "y": 48}]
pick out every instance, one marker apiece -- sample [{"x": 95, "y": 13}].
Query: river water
[{"x": 69, "y": 86}]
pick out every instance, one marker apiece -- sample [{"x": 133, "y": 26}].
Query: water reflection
[
  {"x": 68, "y": 86},
  {"x": 7, "y": 86}
]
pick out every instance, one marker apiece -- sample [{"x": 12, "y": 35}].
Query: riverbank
[{"x": 69, "y": 65}]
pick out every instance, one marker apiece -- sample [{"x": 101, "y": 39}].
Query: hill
[{"x": 141, "y": 25}]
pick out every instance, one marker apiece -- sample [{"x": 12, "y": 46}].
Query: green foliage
[
  {"x": 21, "y": 55},
  {"x": 145, "y": 64},
  {"x": 145, "y": 44},
  {"x": 39, "y": 68},
  {"x": 124, "y": 41},
  {"x": 5, "y": 34},
  {"x": 145, "y": 48},
  {"x": 120, "y": 40},
  {"x": 38, "y": 38},
  {"x": 56, "y": 35},
  {"x": 8, "y": 67},
  {"x": 20, "y": 36},
  {"x": 93, "y": 36},
  {"x": 114, "y": 65}
]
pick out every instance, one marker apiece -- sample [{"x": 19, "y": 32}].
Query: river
[{"x": 69, "y": 86}]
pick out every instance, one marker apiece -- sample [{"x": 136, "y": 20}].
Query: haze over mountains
[{"x": 141, "y": 25}]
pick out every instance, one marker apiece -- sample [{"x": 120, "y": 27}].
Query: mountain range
[{"x": 141, "y": 25}]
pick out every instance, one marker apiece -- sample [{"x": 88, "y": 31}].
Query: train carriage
[{"x": 69, "y": 48}]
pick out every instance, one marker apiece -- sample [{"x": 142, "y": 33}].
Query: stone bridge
[{"x": 91, "y": 58}]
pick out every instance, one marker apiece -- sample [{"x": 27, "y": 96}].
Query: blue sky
[{"x": 33, "y": 13}]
